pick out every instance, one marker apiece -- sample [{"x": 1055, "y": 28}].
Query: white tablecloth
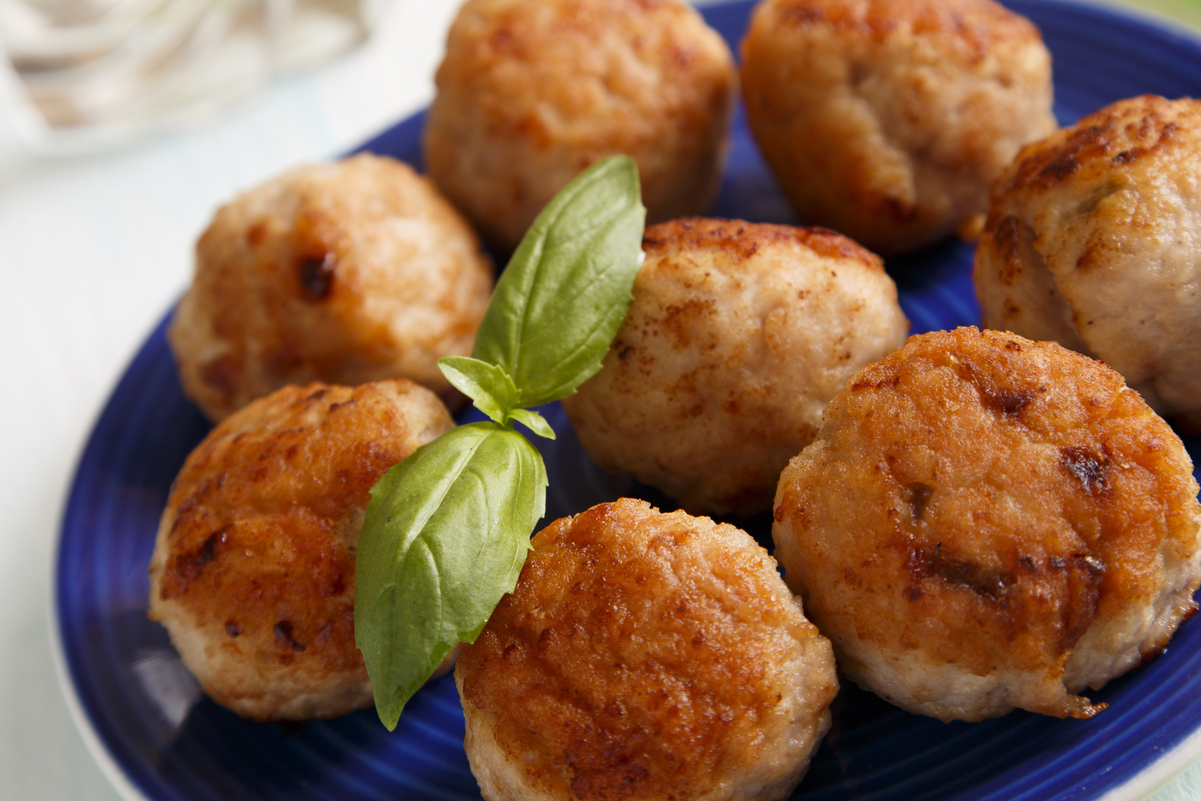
[{"x": 93, "y": 250}]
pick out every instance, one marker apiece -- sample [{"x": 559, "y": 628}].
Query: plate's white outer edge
[
  {"x": 1159, "y": 773},
  {"x": 104, "y": 760}
]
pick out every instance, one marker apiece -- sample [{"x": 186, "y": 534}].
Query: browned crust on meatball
[
  {"x": 531, "y": 93},
  {"x": 1124, "y": 133},
  {"x": 646, "y": 655},
  {"x": 981, "y": 500},
  {"x": 968, "y": 30},
  {"x": 1088, "y": 242},
  {"x": 889, "y": 120},
  {"x": 253, "y": 569},
  {"x": 738, "y": 335},
  {"x": 347, "y": 272},
  {"x": 740, "y": 240}
]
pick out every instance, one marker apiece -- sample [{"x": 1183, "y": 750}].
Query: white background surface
[{"x": 93, "y": 251}]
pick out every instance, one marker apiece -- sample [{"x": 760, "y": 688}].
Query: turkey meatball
[
  {"x": 645, "y": 655},
  {"x": 253, "y": 566},
  {"x": 988, "y": 523},
  {"x": 346, "y": 272},
  {"x": 1090, "y": 241},
  {"x": 530, "y": 92},
  {"x": 739, "y": 335},
  {"x": 888, "y": 120}
]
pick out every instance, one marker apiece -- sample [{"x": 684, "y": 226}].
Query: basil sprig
[{"x": 448, "y": 529}]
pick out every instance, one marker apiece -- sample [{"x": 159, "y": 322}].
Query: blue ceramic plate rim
[{"x": 1151, "y": 732}]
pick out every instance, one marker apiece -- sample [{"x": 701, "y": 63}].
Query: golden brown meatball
[
  {"x": 888, "y": 120},
  {"x": 645, "y": 656},
  {"x": 345, "y": 272},
  {"x": 530, "y": 92},
  {"x": 738, "y": 336},
  {"x": 253, "y": 566},
  {"x": 1091, "y": 241},
  {"x": 988, "y": 523}
]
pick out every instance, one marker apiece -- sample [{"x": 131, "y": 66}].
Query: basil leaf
[
  {"x": 492, "y": 391},
  {"x": 489, "y": 386},
  {"x": 533, "y": 421},
  {"x": 445, "y": 536},
  {"x": 559, "y": 302},
  {"x": 446, "y": 531}
]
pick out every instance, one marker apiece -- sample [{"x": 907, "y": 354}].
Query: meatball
[
  {"x": 739, "y": 335},
  {"x": 645, "y": 655},
  {"x": 888, "y": 120},
  {"x": 344, "y": 273},
  {"x": 988, "y": 523},
  {"x": 530, "y": 92},
  {"x": 253, "y": 566},
  {"x": 1090, "y": 241}
]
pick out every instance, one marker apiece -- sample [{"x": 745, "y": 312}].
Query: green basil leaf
[
  {"x": 489, "y": 386},
  {"x": 534, "y": 422},
  {"x": 445, "y": 536},
  {"x": 447, "y": 530},
  {"x": 565, "y": 292}
]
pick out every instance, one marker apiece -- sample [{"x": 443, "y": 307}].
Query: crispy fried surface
[
  {"x": 645, "y": 655},
  {"x": 530, "y": 92},
  {"x": 888, "y": 120},
  {"x": 986, "y": 522},
  {"x": 1090, "y": 241},
  {"x": 253, "y": 566},
  {"x": 344, "y": 273},
  {"x": 739, "y": 335}
]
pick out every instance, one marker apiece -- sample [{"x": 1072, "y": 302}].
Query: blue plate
[{"x": 159, "y": 738}]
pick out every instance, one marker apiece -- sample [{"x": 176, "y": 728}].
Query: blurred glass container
[{"x": 88, "y": 73}]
